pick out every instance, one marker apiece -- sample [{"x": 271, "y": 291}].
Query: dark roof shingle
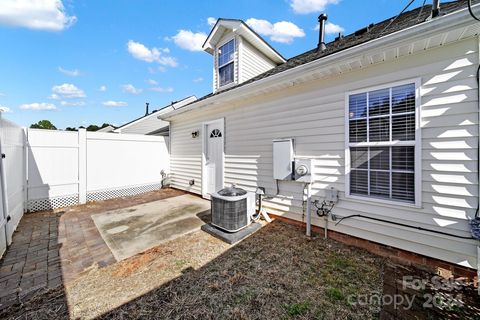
[{"x": 373, "y": 31}]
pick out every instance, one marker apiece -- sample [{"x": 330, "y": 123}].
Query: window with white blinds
[{"x": 381, "y": 143}]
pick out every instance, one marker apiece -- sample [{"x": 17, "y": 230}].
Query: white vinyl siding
[
  {"x": 252, "y": 62},
  {"x": 382, "y": 131},
  {"x": 314, "y": 114}
]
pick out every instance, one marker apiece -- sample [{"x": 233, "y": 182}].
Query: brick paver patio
[{"x": 51, "y": 248}]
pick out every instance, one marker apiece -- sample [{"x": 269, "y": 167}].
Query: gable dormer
[{"x": 239, "y": 53}]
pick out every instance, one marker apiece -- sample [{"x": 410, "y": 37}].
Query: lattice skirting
[
  {"x": 121, "y": 192},
  {"x": 52, "y": 203},
  {"x": 71, "y": 200}
]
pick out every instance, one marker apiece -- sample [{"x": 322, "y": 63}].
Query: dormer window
[
  {"x": 239, "y": 54},
  {"x": 226, "y": 55}
]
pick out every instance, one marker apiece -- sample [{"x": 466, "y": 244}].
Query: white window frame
[
  {"x": 233, "y": 62},
  {"x": 417, "y": 145}
]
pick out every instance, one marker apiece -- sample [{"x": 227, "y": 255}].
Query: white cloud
[
  {"x": 111, "y": 103},
  {"x": 72, "y": 104},
  {"x": 54, "y": 96},
  {"x": 152, "y": 82},
  {"x": 283, "y": 31},
  {"x": 211, "y": 21},
  {"x": 156, "y": 70},
  {"x": 162, "y": 89},
  {"x": 4, "y": 109},
  {"x": 38, "y": 106},
  {"x": 70, "y": 73},
  {"x": 331, "y": 28},
  {"x": 35, "y": 14},
  {"x": 102, "y": 88},
  {"x": 197, "y": 80},
  {"x": 141, "y": 52},
  {"x": 188, "y": 40},
  {"x": 129, "y": 88},
  {"x": 66, "y": 91},
  {"x": 310, "y": 6}
]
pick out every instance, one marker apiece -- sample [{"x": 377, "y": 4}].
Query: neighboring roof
[
  {"x": 173, "y": 105},
  {"x": 106, "y": 129},
  {"x": 240, "y": 28},
  {"x": 371, "y": 32}
]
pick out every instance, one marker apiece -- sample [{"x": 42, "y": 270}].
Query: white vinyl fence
[
  {"x": 68, "y": 168},
  {"x": 12, "y": 180}
]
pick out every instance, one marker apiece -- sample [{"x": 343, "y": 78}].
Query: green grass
[
  {"x": 341, "y": 263},
  {"x": 335, "y": 294},
  {"x": 297, "y": 309}
]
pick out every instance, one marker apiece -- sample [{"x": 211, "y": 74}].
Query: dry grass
[
  {"x": 275, "y": 274},
  {"x": 46, "y": 305}
]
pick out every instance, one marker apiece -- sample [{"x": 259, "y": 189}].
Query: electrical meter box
[
  {"x": 303, "y": 170},
  {"x": 282, "y": 159}
]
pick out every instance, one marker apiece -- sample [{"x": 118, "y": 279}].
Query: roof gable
[{"x": 238, "y": 27}]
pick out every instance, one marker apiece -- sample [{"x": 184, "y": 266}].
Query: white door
[{"x": 213, "y": 153}]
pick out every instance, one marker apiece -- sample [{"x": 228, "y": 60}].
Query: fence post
[
  {"x": 25, "y": 169},
  {"x": 82, "y": 166}
]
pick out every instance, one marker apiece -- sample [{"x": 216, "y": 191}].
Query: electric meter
[{"x": 301, "y": 170}]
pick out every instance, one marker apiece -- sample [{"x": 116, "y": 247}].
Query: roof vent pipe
[
  {"x": 321, "y": 35},
  {"x": 435, "y": 8},
  {"x": 146, "y": 108}
]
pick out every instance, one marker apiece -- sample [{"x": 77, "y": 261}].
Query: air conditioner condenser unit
[{"x": 232, "y": 208}]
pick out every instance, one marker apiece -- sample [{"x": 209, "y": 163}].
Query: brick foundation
[{"x": 399, "y": 256}]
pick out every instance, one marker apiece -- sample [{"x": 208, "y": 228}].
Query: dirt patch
[{"x": 142, "y": 260}]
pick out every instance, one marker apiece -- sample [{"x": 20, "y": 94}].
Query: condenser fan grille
[{"x": 229, "y": 215}]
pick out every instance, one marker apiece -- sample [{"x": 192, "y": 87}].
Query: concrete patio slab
[{"x": 132, "y": 230}]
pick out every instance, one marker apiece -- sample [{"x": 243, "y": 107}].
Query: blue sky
[{"x": 78, "y": 62}]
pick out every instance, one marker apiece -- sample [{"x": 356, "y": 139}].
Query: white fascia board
[
  {"x": 158, "y": 113},
  {"x": 437, "y": 25}
]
